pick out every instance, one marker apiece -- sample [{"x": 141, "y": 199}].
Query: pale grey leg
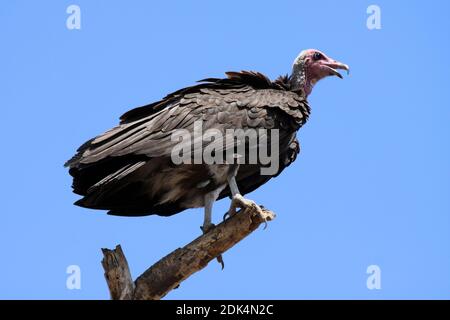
[
  {"x": 233, "y": 186},
  {"x": 210, "y": 198},
  {"x": 238, "y": 201}
]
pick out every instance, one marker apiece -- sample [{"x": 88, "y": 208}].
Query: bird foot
[
  {"x": 239, "y": 201},
  {"x": 207, "y": 227}
]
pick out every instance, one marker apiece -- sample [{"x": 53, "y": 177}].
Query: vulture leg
[
  {"x": 233, "y": 186},
  {"x": 238, "y": 201},
  {"x": 210, "y": 198}
]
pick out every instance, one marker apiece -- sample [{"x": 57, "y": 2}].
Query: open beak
[{"x": 333, "y": 66}]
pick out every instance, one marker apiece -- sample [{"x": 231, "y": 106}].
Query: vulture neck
[{"x": 299, "y": 79}]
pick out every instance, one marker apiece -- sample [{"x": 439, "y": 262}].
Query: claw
[
  {"x": 220, "y": 260},
  {"x": 265, "y": 224}
]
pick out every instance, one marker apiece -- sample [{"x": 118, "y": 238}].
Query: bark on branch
[{"x": 170, "y": 271}]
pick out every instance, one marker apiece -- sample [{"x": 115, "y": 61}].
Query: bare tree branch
[
  {"x": 171, "y": 270},
  {"x": 117, "y": 274}
]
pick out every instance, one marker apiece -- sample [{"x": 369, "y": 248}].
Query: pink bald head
[{"x": 313, "y": 65}]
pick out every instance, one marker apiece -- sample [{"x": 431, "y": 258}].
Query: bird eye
[{"x": 317, "y": 56}]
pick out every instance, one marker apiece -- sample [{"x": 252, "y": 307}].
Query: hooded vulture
[{"x": 130, "y": 169}]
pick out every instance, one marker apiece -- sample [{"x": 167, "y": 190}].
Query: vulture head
[{"x": 311, "y": 66}]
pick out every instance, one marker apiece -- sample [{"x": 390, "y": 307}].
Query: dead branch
[{"x": 177, "y": 266}]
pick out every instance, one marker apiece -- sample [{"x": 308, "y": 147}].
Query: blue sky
[{"x": 370, "y": 187}]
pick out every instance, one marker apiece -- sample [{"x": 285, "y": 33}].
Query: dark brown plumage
[{"x": 128, "y": 169}]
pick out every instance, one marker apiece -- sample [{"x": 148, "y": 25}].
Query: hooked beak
[{"x": 333, "y": 65}]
